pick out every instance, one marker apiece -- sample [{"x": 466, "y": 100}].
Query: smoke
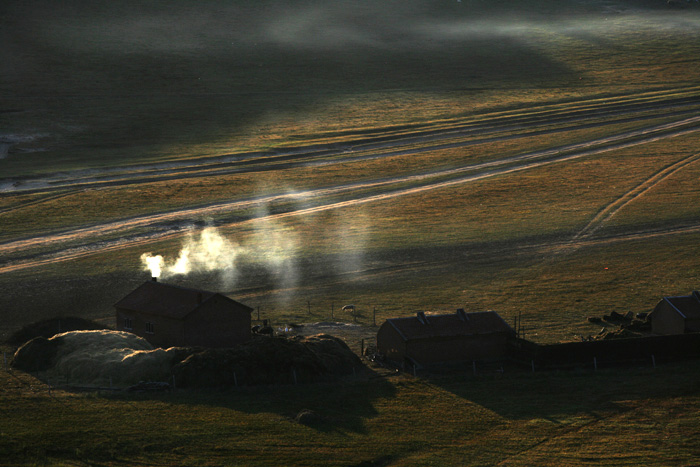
[
  {"x": 275, "y": 246},
  {"x": 272, "y": 248},
  {"x": 154, "y": 264},
  {"x": 207, "y": 252}
]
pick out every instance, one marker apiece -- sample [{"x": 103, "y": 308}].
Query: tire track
[
  {"x": 293, "y": 157},
  {"x": 607, "y": 213},
  {"x": 424, "y": 182}
]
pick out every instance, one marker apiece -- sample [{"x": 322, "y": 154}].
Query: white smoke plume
[
  {"x": 275, "y": 246},
  {"x": 207, "y": 252},
  {"x": 272, "y": 245}
]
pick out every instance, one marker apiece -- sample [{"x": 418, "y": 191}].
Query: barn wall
[
  {"x": 390, "y": 344},
  {"x": 458, "y": 349},
  {"x": 666, "y": 320},
  {"x": 167, "y": 332},
  {"x": 218, "y": 323}
]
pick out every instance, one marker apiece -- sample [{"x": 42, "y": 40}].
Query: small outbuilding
[
  {"x": 432, "y": 339},
  {"x": 172, "y": 316},
  {"x": 676, "y": 315}
]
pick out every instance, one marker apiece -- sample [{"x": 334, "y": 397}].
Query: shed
[
  {"x": 676, "y": 315},
  {"x": 172, "y": 316},
  {"x": 433, "y": 339}
]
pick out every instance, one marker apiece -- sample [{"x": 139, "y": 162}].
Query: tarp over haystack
[{"x": 95, "y": 358}]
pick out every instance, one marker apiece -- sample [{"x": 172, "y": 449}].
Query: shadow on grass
[
  {"x": 520, "y": 395},
  {"x": 338, "y": 407}
]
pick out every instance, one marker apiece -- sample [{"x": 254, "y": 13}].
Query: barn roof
[
  {"x": 170, "y": 301},
  {"x": 687, "y": 305},
  {"x": 426, "y": 326}
]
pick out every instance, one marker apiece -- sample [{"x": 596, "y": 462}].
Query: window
[
  {"x": 128, "y": 325},
  {"x": 150, "y": 329}
]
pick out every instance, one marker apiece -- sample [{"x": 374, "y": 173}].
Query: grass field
[{"x": 537, "y": 158}]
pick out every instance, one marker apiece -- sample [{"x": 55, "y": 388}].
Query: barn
[
  {"x": 676, "y": 315},
  {"x": 172, "y": 316},
  {"x": 427, "y": 340}
]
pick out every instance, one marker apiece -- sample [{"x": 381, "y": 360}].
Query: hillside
[{"x": 537, "y": 158}]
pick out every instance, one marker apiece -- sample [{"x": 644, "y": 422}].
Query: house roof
[
  {"x": 426, "y": 326},
  {"x": 170, "y": 301},
  {"x": 687, "y": 305}
]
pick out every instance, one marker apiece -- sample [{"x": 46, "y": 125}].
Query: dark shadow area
[
  {"x": 519, "y": 394},
  {"x": 126, "y": 76},
  {"x": 339, "y": 406}
]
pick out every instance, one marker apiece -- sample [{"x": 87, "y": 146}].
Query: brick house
[
  {"x": 426, "y": 340},
  {"x": 172, "y": 316}
]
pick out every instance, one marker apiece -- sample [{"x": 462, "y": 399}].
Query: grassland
[
  {"x": 630, "y": 417},
  {"x": 536, "y": 158}
]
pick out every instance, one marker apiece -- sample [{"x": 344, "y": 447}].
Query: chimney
[
  {"x": 421, "y": 317},
  {"x": 154, "y": 279}
]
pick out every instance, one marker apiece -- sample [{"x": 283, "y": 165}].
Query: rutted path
[
  {"x": 422, "y": 182},
  {"x": 404, "y": 143},
  {"x": 613, "y": 208}
]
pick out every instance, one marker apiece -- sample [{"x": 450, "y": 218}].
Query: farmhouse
[
  {"x": 676, "y": 315},
  {"x": 427, "y": 340},
  {"x": 171, "y": 316}
]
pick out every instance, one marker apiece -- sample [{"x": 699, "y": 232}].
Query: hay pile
[
  {"x": 121, "y": 359},
  {"x": 50, "y": 327},
  {"x": 95, "y": 358},
  {"x": 268, "y": 360}
]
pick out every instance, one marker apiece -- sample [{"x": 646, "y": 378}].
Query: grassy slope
[
  {"x": 110, "y": 99},
  {"x": 516, "y": 419}
]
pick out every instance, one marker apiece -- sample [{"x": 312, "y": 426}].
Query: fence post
[
  {"x": 173, "y": 382},
  {"x": 653, "y": 360},
  {"x": 235, "y": 380},
  {"x": 332, "y": 310},
  {"x": 595, "y": 363},
  {"x": 474, "y": 367},
  {"x": 294, "y": 373},
  {"x": 532, "y": 362}
]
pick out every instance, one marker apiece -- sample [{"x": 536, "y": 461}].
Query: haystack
[
  {"x": 268, "y": 360},
  {"x": 95, "y": 358}
]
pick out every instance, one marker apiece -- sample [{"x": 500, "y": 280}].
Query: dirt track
[
  {"x": 84, "y": 241},
  {"x": 494, "y": 129}
]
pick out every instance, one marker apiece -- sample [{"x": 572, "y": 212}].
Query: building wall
[
  {"x": 458, "y": 349},
  {"x": 218, "y": 322},
  {"x": 390, "y": 344},
  {"x": 433, "y": 351},
  {"x": 666, "y": 320},
  {"x": 166, "y": 332}
]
